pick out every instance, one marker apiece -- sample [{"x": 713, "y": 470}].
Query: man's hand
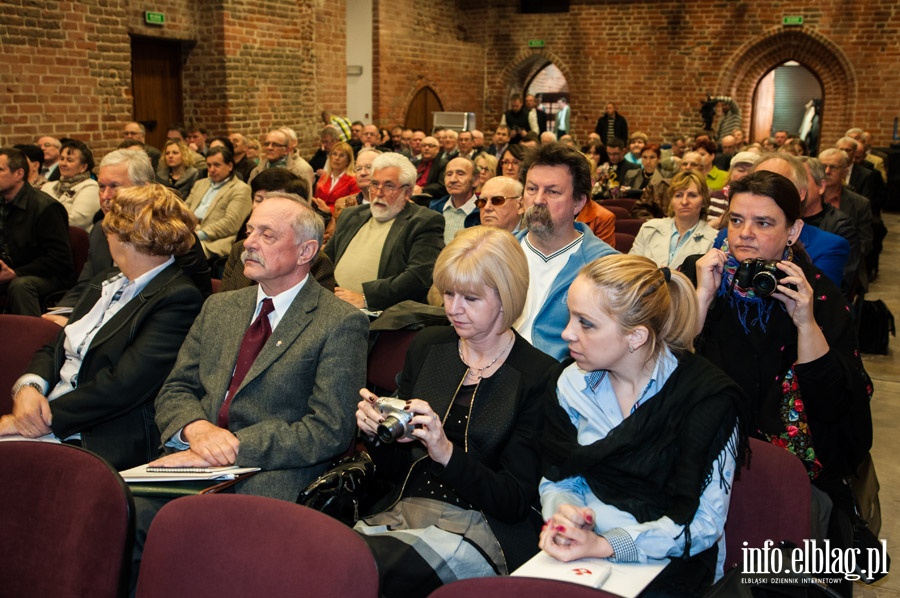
[
  {"x": 354, "y": 299},
  {"x": 6, "y": 273},
  {"x": 32, "y": 412},
  {"x": 217, "y": 446},
  {"x": 8, "y": 425},
  {"x": 181, "y": 459}
]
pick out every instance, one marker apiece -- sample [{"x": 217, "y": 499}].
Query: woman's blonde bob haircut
[
  {"x": 153, "y": 219},
  {"x": 633, "y": 291},
  {"x": 683, "y": 180},
  {"x": 485, "y": 256}
]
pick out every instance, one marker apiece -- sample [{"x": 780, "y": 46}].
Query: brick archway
[
  {"x": 753, "y": 60},
  {"x": 517, "y": 72}
]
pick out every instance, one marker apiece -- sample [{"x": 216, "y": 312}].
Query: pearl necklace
[{"x": 479, "y": 372}]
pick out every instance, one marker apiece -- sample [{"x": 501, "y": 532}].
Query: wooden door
[
  {"x": 156, "y": 86},
  {"x": 419, "y": 112}
]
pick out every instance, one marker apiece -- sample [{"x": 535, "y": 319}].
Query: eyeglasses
[
  {"x": 273, "y": 144},
  {"x": 386, "y": 188},
  {"x": 498, "y": 200}
]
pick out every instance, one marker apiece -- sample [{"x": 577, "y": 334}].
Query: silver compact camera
[{"x": 396, "y": 424}]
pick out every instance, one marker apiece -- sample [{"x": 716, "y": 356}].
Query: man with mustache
[{"x": 557, "y": 185}]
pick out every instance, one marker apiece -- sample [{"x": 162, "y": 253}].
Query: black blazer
[
  {"x": 123, "y": 369},
  {"x": 620, "y": 128},
  {"x": 407, "y": 259}
]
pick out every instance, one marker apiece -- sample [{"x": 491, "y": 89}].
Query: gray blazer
[{"x": 295, "y": 411}]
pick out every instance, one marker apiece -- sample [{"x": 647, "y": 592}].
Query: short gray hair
[
  {"x": 849, "y": 140},
  {"x": 308, "y": 225},
  {"x": 395, "y": 160},
  {"x": 140, "y": 169},
  {"x": 816, "y": 168}
]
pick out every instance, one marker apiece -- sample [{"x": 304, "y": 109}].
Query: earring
[
  {"x": 789, "y": 243},
  {"x": 630, "y": 349}
]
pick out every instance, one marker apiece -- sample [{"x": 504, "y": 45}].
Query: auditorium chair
[
  {"x": 770, "y": 500},
  {"x": 65, "y": 522},
  {"x": 214, "y": 545},
  {"x": 22, "y": 336},
  {"x": 624, "y": 241},
  {"x": 629, "y": 226}
]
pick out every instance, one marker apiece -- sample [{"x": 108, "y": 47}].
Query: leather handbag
[{"x": 341, "y": 491}]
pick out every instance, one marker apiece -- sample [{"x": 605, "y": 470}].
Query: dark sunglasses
[{"x": 499, "y": 200}]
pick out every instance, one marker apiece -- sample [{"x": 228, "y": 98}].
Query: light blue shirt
[
  {"x": 206, "y": 203},
  {"x": 675, "y": 243},
  {"x": 589, "y": 400}
]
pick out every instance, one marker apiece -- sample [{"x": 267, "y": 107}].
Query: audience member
[
  {"x": 462, "y": 491},
  {"x": 857, "y": 207},
  {"x": 95, "y": 385},
  {"x": 197, "y": 140},
  {"x": 537, "y": 118},
  {"x": 611, "y": 125},
  {"x": 618, "y": 165},
  {"x": 500, "y": 142},
  {"x": 35, "y": 157},
  {"x": 464, "y": 142},
  {"x": 715, "y": 178},
  {"x": 75, "y": 189},
  {"x": 486, "y": 168},
  {"x": 430, "y": 170},
  {"x": 384, "y": 251},
  {"x": 557, "y": 185},
  {"x": 458, "y": 207},
  {"x": 339, "y": 177},
  {"x": 278, "y": 155},
  {"x": 563, "y": 117},
  {"x": 122, "y": 169},
  {"x": 35, "y": 256},
  {"x": 741, "y": 165},
  {"x": 636, "y": 144},
  {"x": 243, "y": 164},
  {"x": 644, "y": 438},
  {"x": 220, "y": 202},
  {"x": 668, "y": 241},
  {"x": 138, "y": 132},
  {"x": 51, "y": 147},
  {"x": 178, "y": 171},
  {"x": 516, "y": 118},
  {"x": 500, "y": 203},
  {"x": 511, "y": 161}
]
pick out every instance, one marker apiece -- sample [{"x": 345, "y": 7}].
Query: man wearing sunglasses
[{"x": 500, "y": 203}]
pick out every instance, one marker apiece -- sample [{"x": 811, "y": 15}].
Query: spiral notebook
[{"x": 146, "y": 473}]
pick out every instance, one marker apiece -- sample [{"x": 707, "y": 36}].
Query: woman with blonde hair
[
  {"x": 176, "y": 170},
  {"x": 486, "y": 168},
  {"x": 668, "y": 241},
  {"x": 338, "y": 181},
  {"x": 642, "y": 446},
  {"x": 96, "y": 384},
  {"x": 463, "y": 485}
]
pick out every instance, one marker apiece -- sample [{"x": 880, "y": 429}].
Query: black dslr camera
[{"x": 760, "y": 275}]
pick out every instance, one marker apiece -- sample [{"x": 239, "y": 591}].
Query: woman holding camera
[
  {"x": 793, "y": 351},
  {"x": 464, "y": 486},
  {"x": 640, "y": 446}
]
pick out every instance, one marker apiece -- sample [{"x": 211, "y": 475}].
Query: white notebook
[{"x": 144, "y": 473}]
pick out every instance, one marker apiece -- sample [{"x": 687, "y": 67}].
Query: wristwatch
[{"x": 21, "y": 385}]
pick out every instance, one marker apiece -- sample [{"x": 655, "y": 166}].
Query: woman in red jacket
[{"x": 337, "y": 180}]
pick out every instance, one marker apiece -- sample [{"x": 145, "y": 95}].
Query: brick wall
[
  {"x": 252, "y": 65},
  {"x": 248, "y": 66},
  {"x": 657, "y": 59}
]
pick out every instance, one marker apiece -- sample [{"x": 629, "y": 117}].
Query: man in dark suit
[
  {"x": 137, "y": 131},
  {"x": 613, "y": 122},
  {"x": 862, "y": 177},
  {"x": 615, "y": 149},
  {"x": 384, "y": 251},
  {"x": 429, "y": 169},
  {"x": 51, "y": 147}
]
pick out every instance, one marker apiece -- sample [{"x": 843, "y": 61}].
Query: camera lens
[
  {"x": 764, "y": 284},
  {"x": 390, "y": 430}
]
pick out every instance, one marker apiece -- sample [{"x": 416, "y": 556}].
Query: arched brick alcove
[
  {"x": 749, "y": 63},
  {"x": 517, "y": 73}
]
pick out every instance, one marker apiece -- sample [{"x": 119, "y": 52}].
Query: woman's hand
[
  {"x": 569, "y": 535},
  {"x": 709, "y": 276},
  {"x": 367, "y": 415},
  {"x": 430, "y": 431},
  {"x": 799, "y": 302},
  {"x": 32, "y": 412}
]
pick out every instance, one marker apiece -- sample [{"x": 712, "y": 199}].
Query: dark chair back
[
  {"x": 624, "y": 241},
  {"x": 22, "y": 336},
  {"x": 770, "y": 501},
  {"x": 241, "y": 545},
  {"x": 629, "y": 226},
  {"x": 386, "y": 360},
  {"x": 624, "y": 202},
  {"x": 66, "y": 522},
  {"x": 619, "y": 211},
  {"x": 80, "y": 241}
]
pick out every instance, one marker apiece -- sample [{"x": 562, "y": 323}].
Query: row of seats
[{"x": 67, "y": 520}]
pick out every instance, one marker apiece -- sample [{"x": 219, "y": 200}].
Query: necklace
[{"x": 479, "y": 372}]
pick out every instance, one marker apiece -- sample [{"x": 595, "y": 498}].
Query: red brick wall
[
  {"x": 425, "y": 43},
  {"x": 248, "y": 66},
  {"x": 658, "y": 59}
]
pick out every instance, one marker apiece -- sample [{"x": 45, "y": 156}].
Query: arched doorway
[
  {"x": 548, "y": 86},
  {"x": 421, "y": 107},
  {"x": 530, "y": 71},
  {"x": 747, "y": 66},
  {"x": 788, "y": 98}
]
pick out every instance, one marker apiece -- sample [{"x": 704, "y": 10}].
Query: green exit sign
[
  {"x": 154, "y": 18},
  {"x": 535, "y": 43},
  {"x": 792, "y": 21}
]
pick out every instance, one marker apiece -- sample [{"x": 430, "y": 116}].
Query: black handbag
[{"x": 341, "y": 491}]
